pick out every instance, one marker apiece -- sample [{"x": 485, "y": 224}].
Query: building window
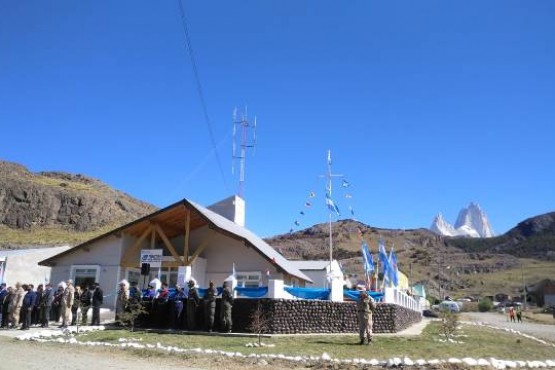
[
  {"x": 134, "y": 276},
  {"x": 85, "y": 275},
  {"x": 249, "y": 279}
]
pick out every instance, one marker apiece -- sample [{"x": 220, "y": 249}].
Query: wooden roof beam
[{"x": 125, "y": 259}]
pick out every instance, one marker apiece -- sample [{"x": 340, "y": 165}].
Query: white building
[
  {"x": 194, "y": 242},
  {"x": 22, "y": 265},
  {"x": 319, "y": 272}
]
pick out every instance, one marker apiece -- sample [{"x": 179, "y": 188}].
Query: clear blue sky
[{"x": 426, "y": 105}]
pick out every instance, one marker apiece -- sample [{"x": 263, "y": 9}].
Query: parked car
[{"x": 449, "y": 306}]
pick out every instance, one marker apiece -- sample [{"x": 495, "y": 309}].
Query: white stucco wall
[
  {"x": 22, "y": 265},
  {"x": 106, "y": 254},
  {"x": 224, "y": 251}
]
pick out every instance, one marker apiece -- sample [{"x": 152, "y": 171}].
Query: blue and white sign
[{"x": 152, "y": 256}]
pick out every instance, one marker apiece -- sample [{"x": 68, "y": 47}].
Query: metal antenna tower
[{"x": 241, "y": 142}]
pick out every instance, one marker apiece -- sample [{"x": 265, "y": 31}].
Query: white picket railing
[{"x": 393, "y": 295}]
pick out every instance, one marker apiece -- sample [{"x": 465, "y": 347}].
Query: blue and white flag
[
  {"x": 329, "y": 157},
  {"x": 393, "y": 270},
  {"x": 382, "y": 254},
  {"x": 368, "y": 260},
  {"x": 331, "y": 205}
]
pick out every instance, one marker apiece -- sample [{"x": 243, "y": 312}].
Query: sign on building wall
[{"x": 152, "y": 256}]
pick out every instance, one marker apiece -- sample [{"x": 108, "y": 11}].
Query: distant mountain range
[
  {"x": 52, "y": 208},
  {"x": 472, "y": 222}
]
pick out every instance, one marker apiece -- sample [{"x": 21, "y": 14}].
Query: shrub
[
  {"x": 485, "y": 305},
  {"x": 449, "y": 322}
]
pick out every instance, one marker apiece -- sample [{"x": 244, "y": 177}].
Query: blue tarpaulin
[
  {"x": 252, "y": 292},
  {"x": 308, "y": 293},
  {"x": 354, "y": 294}
]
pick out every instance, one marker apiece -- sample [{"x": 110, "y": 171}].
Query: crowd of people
[
  {"x": 23, "y": 307},
  {"x": 179, "y": 308}
]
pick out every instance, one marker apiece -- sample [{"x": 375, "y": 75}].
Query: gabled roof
[
  {"x": 248, "y": 236},
  {"x": 172, "y": 220}
]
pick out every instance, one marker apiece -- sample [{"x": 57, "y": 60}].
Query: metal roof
[{"x": 250, "y": 237}]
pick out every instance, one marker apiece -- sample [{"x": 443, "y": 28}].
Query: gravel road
[{"x": 542, "y": 331}]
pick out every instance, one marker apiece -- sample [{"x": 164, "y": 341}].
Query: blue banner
[
  {"x": 355, "y": 294},
  {"x": 252, "y": 292},
  {"x": 308, "y": 293}
]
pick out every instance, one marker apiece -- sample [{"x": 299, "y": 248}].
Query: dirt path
[
  {"x": 28, "y": 355},
  {"x": 542, "y": 331}
]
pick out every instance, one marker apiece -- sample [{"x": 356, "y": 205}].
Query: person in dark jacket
[
  {"x": 27, "y": 307},
  {"x": 35, "y": 317},
  {"x": 5, "y": 304},
  {"x": 192, "y": 304},
  {"x": 209, "y": 306},
  {"x": 46, "y": 300},
  {"x": 97, "y": 300}
]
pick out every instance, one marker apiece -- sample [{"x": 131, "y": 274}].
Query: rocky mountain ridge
[{"x": 60, "y": 200}]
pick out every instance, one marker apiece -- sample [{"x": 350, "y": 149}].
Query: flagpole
[{"x": 329, "y": 175}]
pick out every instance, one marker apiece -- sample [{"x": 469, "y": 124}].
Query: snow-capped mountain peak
[
  {"x": 471, "y": 222},
  {"x": 442, "y": 227}
]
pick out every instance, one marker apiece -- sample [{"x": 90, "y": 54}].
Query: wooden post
[
  {"x": 167, "y": 243},
  {"x": 186, "y": 239}
]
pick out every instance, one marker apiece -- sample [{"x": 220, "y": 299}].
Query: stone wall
[
  {"x": 312, "y": 316},
  {"x": 286, "y": 316}
]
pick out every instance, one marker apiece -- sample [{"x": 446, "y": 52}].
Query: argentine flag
[{"x": 331, "y": 204}]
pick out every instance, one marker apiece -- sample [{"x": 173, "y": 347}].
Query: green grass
[
  {"x": 479, "y": 342},
  {"x": 49, "y": 235}
]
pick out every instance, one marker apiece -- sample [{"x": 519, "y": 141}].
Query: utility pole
[{"x": 523, "y": 286}]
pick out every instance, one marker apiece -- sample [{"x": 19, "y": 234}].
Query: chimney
[{"x": 232, "y": 208}]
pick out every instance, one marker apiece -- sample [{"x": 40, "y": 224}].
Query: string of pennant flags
[{"x": 330, "y": 203}]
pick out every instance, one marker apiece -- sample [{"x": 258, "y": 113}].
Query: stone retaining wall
[
  {"x": 312, "y": 316},
  {"x": 285, "y": 316}
]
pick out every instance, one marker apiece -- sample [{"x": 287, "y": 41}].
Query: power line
[{"x": 200, "y": 90}]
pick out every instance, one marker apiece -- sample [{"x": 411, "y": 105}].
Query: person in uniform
[
  {"x": 209, "y": 302},
  {"x": 76, "y": 302},
  {"x": 97, "y": 300},
  {"x": 122, "y": 298},
  {"x": 365, "y": 308},
  {"x": 192, "y": 304},
  {"x": 227, "y": 304},
  {"x": 85, "y": 301},
  {"x": 66, "y": 303}
]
